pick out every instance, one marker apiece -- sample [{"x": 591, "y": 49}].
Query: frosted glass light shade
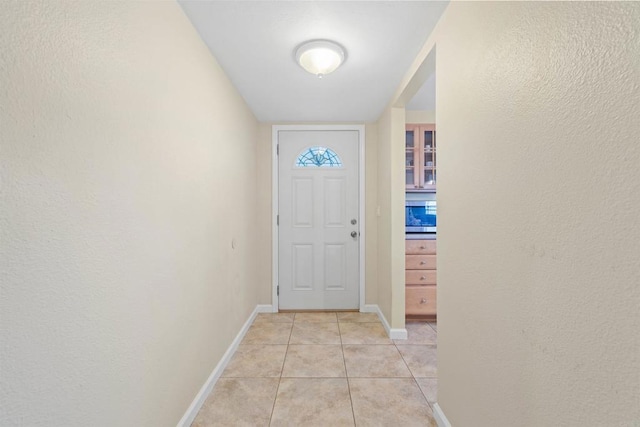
[{"x": 320, "y": 57}]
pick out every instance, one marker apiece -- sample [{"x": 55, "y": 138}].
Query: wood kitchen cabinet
[
  {"x": 420, "y": 156},
  {"x": 420, "y": 279}
]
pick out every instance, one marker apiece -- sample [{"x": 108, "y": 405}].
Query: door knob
[
  {"x": 353, "y": 221},
  {"x": 354, "y": 234}
]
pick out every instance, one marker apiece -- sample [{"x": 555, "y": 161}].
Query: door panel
[
  {"x": 302, "y": 193},
  {"x": 318, "y": 260},
  {"x": 334, "y": 266},
  {"x": 302, "y": 267},
  {"x": 334, "y": 202}
]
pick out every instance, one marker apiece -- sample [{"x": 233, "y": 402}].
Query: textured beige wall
[
  {"x": 416, "y": 116},
  {"x": 391, "y": 184},
  {"x": 263, "y": 212},
  {"x": 128, "y": 168},
  {"x": 371, "y": 200},
  {"x": 538, "y": 199},
  {"x": 264, "y": 209},
  {"x": 383, "y": 212}
]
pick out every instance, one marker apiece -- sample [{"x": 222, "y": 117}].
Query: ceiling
[
  {"x": 425, "y": 98},
  {"x": 254, "y": 43}
]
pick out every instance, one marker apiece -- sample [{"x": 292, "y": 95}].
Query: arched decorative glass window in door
[{"x": 321, "y": 157}]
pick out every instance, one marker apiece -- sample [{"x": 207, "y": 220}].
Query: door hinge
[
  {"x": 278, "y": 290},
  {"x": 277, "y": 149},
  {"x": 277, "y": 219}
]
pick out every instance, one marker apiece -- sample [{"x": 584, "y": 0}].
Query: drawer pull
[{"x": 423, "y": 301}]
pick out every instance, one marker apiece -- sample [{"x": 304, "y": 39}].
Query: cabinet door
[
  {"x": 420, "y": 156},
  {"x": 427, "y": 156},
  {"x": 412, "y": 156}
]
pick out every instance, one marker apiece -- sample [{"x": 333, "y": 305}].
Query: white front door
[{"x": 318, "y": 232}]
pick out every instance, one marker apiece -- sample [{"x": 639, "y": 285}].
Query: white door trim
[{"x": 275, "y": 200}]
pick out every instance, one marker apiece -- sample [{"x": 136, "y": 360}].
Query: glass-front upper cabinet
[
  {"x": 420, "y": 156},
  {"x": 411, "y": 178}
]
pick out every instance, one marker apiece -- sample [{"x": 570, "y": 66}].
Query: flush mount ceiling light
[{"x": 320, "y": 57}]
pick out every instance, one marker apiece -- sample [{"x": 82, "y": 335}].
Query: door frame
[{"x": 275, "y": 203}]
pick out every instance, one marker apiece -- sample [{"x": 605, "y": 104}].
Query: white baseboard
[
  {"x": 265, "y": 308},
  {"x": 394, "y": 334},
  {"x": 370, "y": 308},
  {"x": 398, "y": 334},
  {"x": 439, "y": 416},
  {"x": 202, "y": 395}
]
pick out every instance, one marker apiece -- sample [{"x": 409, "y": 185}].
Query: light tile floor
[{"x": 326, "y": 369}]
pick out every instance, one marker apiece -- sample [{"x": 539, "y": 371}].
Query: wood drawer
[
  {"x": 420, "y": 247},
  {"x": 420, "y": 262},
  {"x": 420, "y": 300},
  {"x": 420, "y": 277}
]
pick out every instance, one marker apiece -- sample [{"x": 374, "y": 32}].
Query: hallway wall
[
  {"x": 538, "y": 200},
  {"x": 128, "y": 182},
  {"x": 420, "y": 116},
  {"x": 391, "y": 232}
]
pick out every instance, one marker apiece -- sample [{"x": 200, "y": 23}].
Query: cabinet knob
[
  {"x": 423, "y": 278},
  {"x": 423, "y": 301},
  {"x": 423, "y": 262},
  {"x": 423, "y": 247}
]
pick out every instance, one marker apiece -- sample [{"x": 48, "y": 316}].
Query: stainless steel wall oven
[{"x": 420, "y": 216}]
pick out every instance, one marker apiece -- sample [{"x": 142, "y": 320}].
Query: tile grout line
[
  {"x": 346, "y": 374},
  {"x": 432, "y": 328},
  {"x": 281, "y": 371},
  {"x": 405, "y": 362},
  {"x": 414, "y": 377}
]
